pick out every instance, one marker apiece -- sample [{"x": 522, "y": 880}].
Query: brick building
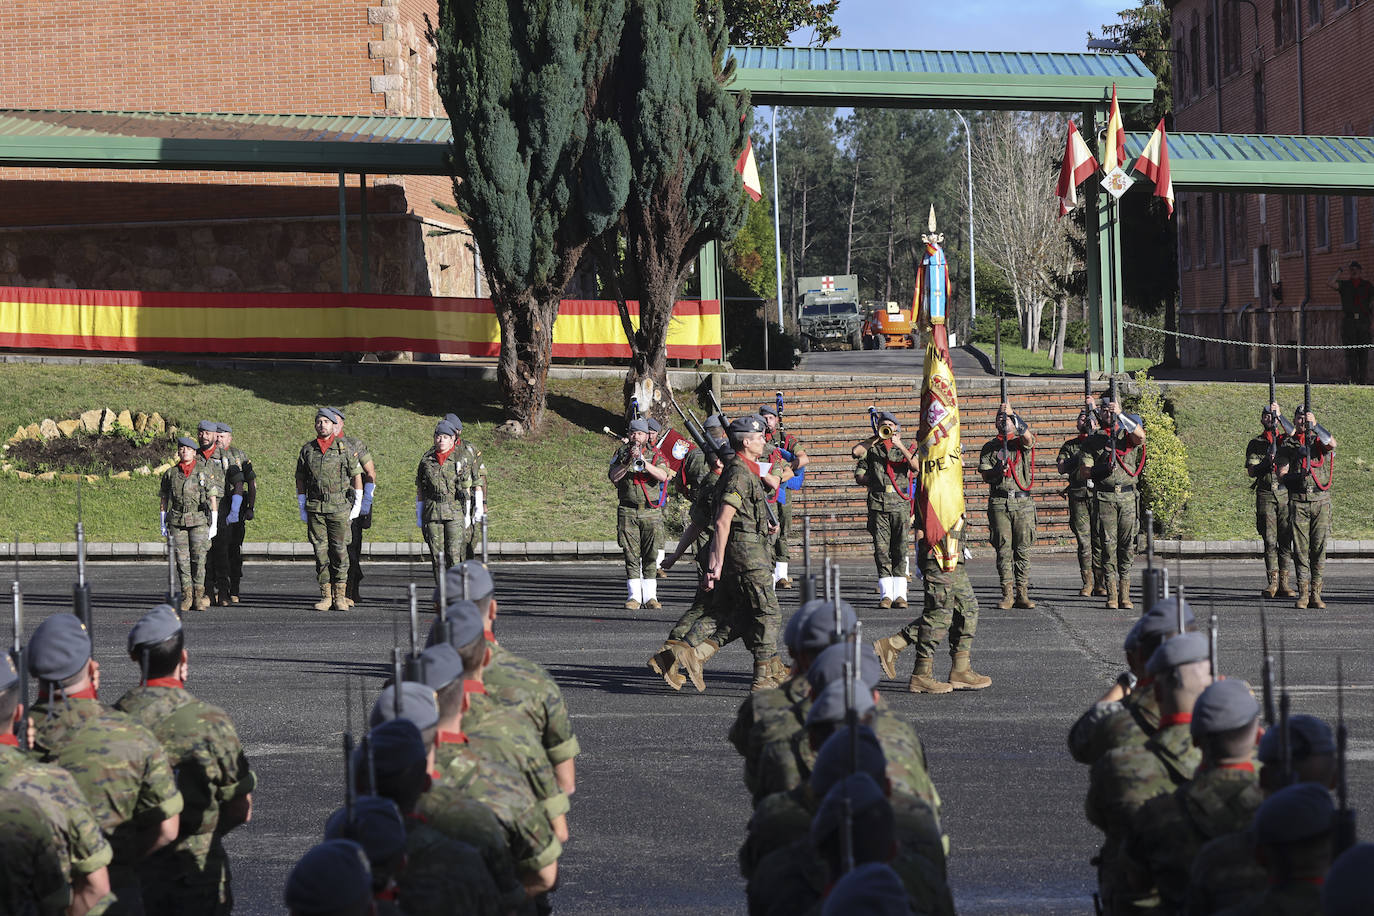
[
  {"x": 224, "y": 231},
  {"x": 1256, "y": 266}
]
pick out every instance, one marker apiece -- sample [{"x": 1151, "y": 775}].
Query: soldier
[
  {"x": 776, "y": 438},
  {"x": 190, "y": 493},
  {"x": 1309, "y": 449},
  {"x": 331, "y": 879},
  {"x": 873, "y": 889},
  {"x": 1220, "y": 798},
  {"x": 884, "y": 467},
  {"x": 476, "y": 472},
  {"x": 655, "y": 438},
  {"x": 1006, "y": 463},
  {"x": 1083, "y": 507},
  {"x": 229, "y": 480},
  {"x": 191, "y": 875},
  {"x": 1125, "y": 778},
  {"x": 949, "y": 608},
  {"x": 118, "y": 764},
  {"x": 1116, "y": 458},
  {"x": 1293, "y": 830},
  {"x": 32, "y": 879},
  {"x": 640, "y": 476},
  {"x": 360, "y": 520},
  {"x": 378, "y": 827},
  {"x": 326, "y": 470},
  {"x": 81, "y": 847},
  {"x": 441, "y": 487},
  {"x": 1272, "y": 518},
  {"x": 1350, "y": 882},
  {"x": 240, "y": 513}
]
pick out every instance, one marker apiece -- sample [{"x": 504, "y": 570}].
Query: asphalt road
[
  {"x": 884, "y": 362},
  {"x": 660, "y": 807}
]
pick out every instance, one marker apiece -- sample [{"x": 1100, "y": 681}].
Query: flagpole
[{"x": 777, "y": 233}]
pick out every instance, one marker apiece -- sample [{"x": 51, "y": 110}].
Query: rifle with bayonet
[
  {"x": 350, "y": 778},
  {"x": 1152, "y": 579},
  {"x": 1002, "y": 433},
  {"x": 851, "y": 721},
  {"x": 17, "y": 653},
  {"x": 1267, "y": 671},
  {"x": 1212, "y": 647},
  {"x": 1346, "y": 834},
  {"x": 705, "y": 442},
  {"x": 81, "y": 592},
  {"x": 808, "y": 588},
  {"x": 1276, "y": 425},
  {"x": 414, "y": 669}
]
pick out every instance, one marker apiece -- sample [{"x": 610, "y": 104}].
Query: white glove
[
  {"x": 300, "y": 501},
  {"x": 467, "y": 518},
  {"x": 368, "y": 490},
  {"x": 357, "y": 505},
  {"x": 162, "y": 522},
  {"x": 214, "y": 527},
  {"x": 235, "y": 503},
  {"x": 419, "y": 514},
  {"x": 480, "y": 512}
]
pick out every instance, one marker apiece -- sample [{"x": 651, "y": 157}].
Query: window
[
  {"x": 1217, "y": 253},
  {"x": 1230, "y": 39},
  {"x": 1261, "y": 122},
  {"x": 1237, "y": 229},
  {"x": 1294, "y": 209},
  {"x": 1194, "y": 59},
  {"x": 1185, "y": 250},
  {"x": 1350, "y": 221},
  {"x": 1314, "y": 12},
  {"x": 1283, "y": 22},
  {"x": 1210, "y": 39},
  {"x": 1180, "y": 68},
  {"x": 1200, "y": 236},
  {"x": 1323, "y": 219}
]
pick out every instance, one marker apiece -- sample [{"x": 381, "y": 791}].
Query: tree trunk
[
  {"x": 849, "y": 227},
  {"x": 1036, "y": 313},
  {"x": 526, "y": 351},
  {"x": 1059, "y": 333},
  {"x": 801, "y": 259}
]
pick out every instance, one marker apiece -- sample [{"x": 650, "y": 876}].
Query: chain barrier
[{"x": 1246, "y": 343}]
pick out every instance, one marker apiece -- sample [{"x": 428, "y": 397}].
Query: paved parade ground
[{"x": 660, "y": 806}]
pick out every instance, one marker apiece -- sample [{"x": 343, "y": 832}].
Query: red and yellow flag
[
  {"x": 748, "y": 169},
  {"x": 939, "y": 502},
  {"x": 1154, "y": 165},
  {"x": 1078, "y": 167},
  {"x": 1115, "y": 152}
]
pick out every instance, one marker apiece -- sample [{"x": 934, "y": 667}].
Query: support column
[
  {"x": 713, "y": 284},
  {"x": 1103, "y": 239}
]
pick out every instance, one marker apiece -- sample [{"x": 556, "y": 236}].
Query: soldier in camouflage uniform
[
  {"x": 32, "y": 879},
  {"x": 378, "y": 827},
  {"x": 476, "y": 471},
  {"x": 640, "y": 475},
  {"x": 191, "y": 875},
  {"x": 119, "y": 765},
  {"x": 1294, "y": 832},
  {"x": 441, "y": 487},
  {"x": 1307, "y": 451},
  {"x": 326, "y": 470},
  {"x": 1272, "y": 518},
  {"x": 1115, "y": 460},
  {"x": 332, "y": 877},
  {"x": 240, "y": 510},
  {"x": 884, "y": 468},
  {"x": 190, "y": 492},
  {"x": 1083, "y": 507},
  {"x": 1220, "y": 798},
  {"x": 1005, "y": 463},
  {"x": 229, "y": 480},
  {"x": 80, "y": 845},
  {"x": 1123, "y": 779},
  {"x": 776, "y": 438},
  {"x": 362, "y": 519}
]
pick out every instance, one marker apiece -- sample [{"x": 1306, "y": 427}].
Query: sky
[{"x": 970, "y": 25}]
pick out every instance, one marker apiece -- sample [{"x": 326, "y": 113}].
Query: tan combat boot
[
  {"x": 779, "y": 670},
  {"x": 1111, "y": 594},
  {"x": 1099, "y": 581},
  {"x": 690, "y": 659},
  {"x": 1087, "y": 588},
  {"x": 1285, "y": 590},
  {"x": 664, "y": 663},
  {"x": 886, "y": 602},
  {"x": 963, "y": 677},
  {"x": 785, "y": 582},
  {"x": 1301, "y": 603},
  {"x": 887, "y": 649},
  {"x": 202, "y": 600},
  {"x": 1007, "y": 598},
  {"x": 1124, "y": 593},
  {"x": 763, "y": 680},
  {"x": 923, "y": 679},
  {"x": 1316, "y": 599},
  {"x": 187, "y": 600},
  {"x": 326, "y": 597},
  {"x": 340, "y": 597},
  {"x": 1023, "y": 599},
  {"x": 1273, "y": 587}
]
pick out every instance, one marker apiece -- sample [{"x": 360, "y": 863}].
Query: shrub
[{"x": 1166, "y": 484}]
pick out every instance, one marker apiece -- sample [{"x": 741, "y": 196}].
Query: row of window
[{"x": 1201, "y": 217}]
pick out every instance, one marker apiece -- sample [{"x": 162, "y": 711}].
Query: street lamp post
[{"x": 972, "y": 270}]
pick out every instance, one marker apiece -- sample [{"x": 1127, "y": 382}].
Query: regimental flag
[
  {"x": 674, "y": 447},
  {"x": 1115, "y": 152},
  {"x": 748, "y": 169},
  {"x": 1154, "y": 165},
  {"x": 939, "y": 503},
  {"x": 1078, "y": 167},
  {"x": 931, "y": 294}
]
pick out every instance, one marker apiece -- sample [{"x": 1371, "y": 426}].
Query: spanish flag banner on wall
[{"x": 130, "y": 321}]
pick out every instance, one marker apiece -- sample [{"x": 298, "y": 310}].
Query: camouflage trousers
[
  {"x": 742, "y": 605},
  {"x": 330, "y": 534},
  {"x": 890, "y": 527},
  {"x": 1011, "y": 528},
  {"x": 1310, "y": 517},
  {"x": 1117, "y": 526},
  {"x": 701, "y": 601},
  {"x": 1083, "y": 521},
  {"x": 950, "y": 609},
  {"x": 447, "y": 542},
  {"x": 1274, "y": 523},
  {"x": 639, "y": 532},
  {"x": 192, "y": 546},
  {"x": 781, "y": 547}
]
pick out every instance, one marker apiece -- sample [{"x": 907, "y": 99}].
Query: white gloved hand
[
  {"x": 419, "y": 514},
  {"x": 368, "y": 490},
  {"x": 235, "y": 503},
  {"x": 300, "y": 501},
  {"x": 214, "y": 527},
  {"x": 357, "y": 505},
  {"x": 162, "y": 522},
  {"x": 481, "y": 507}
]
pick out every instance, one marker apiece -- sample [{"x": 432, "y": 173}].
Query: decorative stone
[
  {"x": 48, "y": 429},
  {"x": 90, "y": 421},
  {"x": 143, "y": 471},
  {"x": 157, "y": 424},
  {"x": 125, "y": 420},
  {"x": 107, "y": 421},
  {"x": 71, "y": 478},
  {"x": 32, "y": 431},
  {"x": 68, "y": 428},
  {"x": 140, "y": 421},
  {"x": 23, "y": 475},
  {"x": 122, "y": 475},
  {"x": 92, "y": 478},
  {"x": 162, "y": 468},
  {"x": 19, "y": 435},
  {"x": 47, "y": 475}
]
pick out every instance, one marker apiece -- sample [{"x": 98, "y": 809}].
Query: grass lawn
[
  {"x": 553, "y": 488},
  {"x": 1020, "y": 361},
  {"x": 1215, "y": 423}
]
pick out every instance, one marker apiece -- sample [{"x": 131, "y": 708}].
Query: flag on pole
[
  {"x": 932, "y": 289},
  {"x": 1154, "y": 165},
  {"x": 748, "y": 169},
  {"x": 1115, "y": 152},
  {"x": 1078, "y": 167}
]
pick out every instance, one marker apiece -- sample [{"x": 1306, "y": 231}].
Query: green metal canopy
[
  {"x": 1012, "y": 80},
  {"x": 1262, "y": 163}
]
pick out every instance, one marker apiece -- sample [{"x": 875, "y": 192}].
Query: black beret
[
  {"x": 1308, "y": 735},
  {"x": 187, "y": 441},
  {"x": 857, "y": 792},
  {"x": 1294, "y": 814},
  {"x": 747, "y": 424},
  {"x": 829, "y": 706},
  {"x": 832, "y": 760},
  {"x": 829, "y": 666},
  {"x": 871, "y": 889},
  {"x": 377, "y": 826}
]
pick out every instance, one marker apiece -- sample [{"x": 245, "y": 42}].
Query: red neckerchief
[
  {"x": 474, "y": 687},
  {"x": 9, "y": 740},
  {"x": 417, "y": 817},
  {"x": 87, "y": 694},
  {"x": 1246, "y": 767},
  {"x": 435, "y": 776},
  {"x": 325, "y": 444},
  {"x": 390, "y": 894},
  {"x": 452, "y": 738},
  {"x": 443, "y": 456},
  {"x": 187, "y": 467},
  {"x": 166, "y": 682},
  {"x": 207, "y": 451},
  {"x": 489, "y": 635},
  {"x": 1175, "y": 718}
]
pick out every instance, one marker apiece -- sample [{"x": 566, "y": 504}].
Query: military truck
[{"x": 830, "y": 315}]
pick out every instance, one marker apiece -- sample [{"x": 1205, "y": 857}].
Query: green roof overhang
[{"x": 1259, "y": 163}]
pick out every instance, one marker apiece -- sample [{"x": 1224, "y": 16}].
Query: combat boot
[
  {"x": 1099, "y": 581},
  {"x": 690, "y": 661},
  {"x": 187, "y": 600},
  {"x": 340, "y": 597},
  {"x": 779, "y": 670},
  {"x": 1316, "y": 597},
  {"x": 763, "y": 680},
  {"x": 1023, "y": 599},
  {"x": 1301, "y": 603},
  {"x": 1272, "y": 589},
  {"x": 326, "y": 597},
  {"x": 963, "y": 677},
  {"x": 1007, "y": 598},
  {"x": 202, "y": 600},
  {"x": 887, "y": 650},
  {"x": 923, "y": 679},
  {"x": 1088, "y": 584},
  {"x": 664, "y": 663},
  {"x": 1111, "y": 594},
  {"x": 1124, "y": 593},
  {"x": 1285, "y": 590}
]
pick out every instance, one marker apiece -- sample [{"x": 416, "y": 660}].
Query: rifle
[
  {"x": 716, "y": 408},
  {"x": 808, "y": 589},
  {"x": 173, "y": 580},
  {"x": 413, "y": 668},
  {"x": 1285, "y": 733},
  {"x": 1152, "y": 579},
  {"x": 1003, "y": 456},
  {"x": 81, "y": 593},
  {"x": 707, "y": 444},
  {"x": 851, "y": 718},
  {"x": 484, "y": 539},
  {"x": 350, "y": 784},
  {"x": 1267, "y": 671},
  {"x": 1212, "y": 646},
  {"x": 17, "y": 653},
  {"x": 835, "y": 606},
  {"x": 397, "y": 681},
  {"x": 1345, "y": 815}
]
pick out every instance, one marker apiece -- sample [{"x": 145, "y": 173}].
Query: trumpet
[{"x": 886, "y": 431}]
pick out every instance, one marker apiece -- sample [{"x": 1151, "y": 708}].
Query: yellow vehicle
[{"x": 888, "y": 326}]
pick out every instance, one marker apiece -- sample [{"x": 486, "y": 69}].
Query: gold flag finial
[{"x": 933, "y": 237}]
